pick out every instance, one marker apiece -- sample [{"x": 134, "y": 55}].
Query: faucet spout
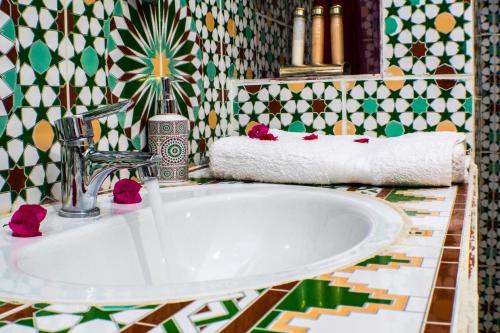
[
  {"x": 83, "y": 177},
  {"x": 100, "y": 164},
  {"x": 84, "y": 169}
]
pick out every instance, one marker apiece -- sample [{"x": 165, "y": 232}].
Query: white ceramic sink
[{"x": 215, "y": 239}]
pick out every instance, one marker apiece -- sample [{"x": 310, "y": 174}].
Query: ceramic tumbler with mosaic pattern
[{"x": 168, "y": 136}]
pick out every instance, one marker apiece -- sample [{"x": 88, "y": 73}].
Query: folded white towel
[{"x": 433, "y": 159}]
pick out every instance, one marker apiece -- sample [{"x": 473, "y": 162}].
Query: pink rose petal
[
  {"x": 310, "y": 137},
  {"x": 126, "y": 191},
  {"x": 25, "y": 222}
]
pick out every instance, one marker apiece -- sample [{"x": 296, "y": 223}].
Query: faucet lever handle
[
  {"x": 106, "y": 110},
  {"x": 80, "y": 126}
]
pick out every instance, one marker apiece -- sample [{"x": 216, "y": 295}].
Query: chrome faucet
[{"x": 84, "y": 169}]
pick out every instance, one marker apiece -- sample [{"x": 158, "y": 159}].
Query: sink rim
[{"x": 210, "y": 288}]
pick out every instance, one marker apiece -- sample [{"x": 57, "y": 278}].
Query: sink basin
[{"x": 213, "y": 240}]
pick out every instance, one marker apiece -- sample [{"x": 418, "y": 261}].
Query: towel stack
[{"x": 417, "y": 159}]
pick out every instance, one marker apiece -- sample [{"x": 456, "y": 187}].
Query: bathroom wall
[
  {"x": 426, "y": 82},
  {"x": 487, "y": 156},
  {"x": 59, "y": 57}
]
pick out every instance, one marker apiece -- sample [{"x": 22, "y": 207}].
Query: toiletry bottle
[
  {"x": 337, "y": 35},
  {"x": 318, "y": 35},
  {"x": 299, "y": 31},
  {"x": 168, "y": 137}
]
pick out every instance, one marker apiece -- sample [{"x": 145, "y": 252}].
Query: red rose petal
[
  {"x": 25, "y": 222},
  {"x": 363, "y": 140},
  {"x": 258, "y": 131},
  {"x": 126, "y": 191},
  {"x": 310, "y": 137},
  {"x": 268, "y": 137}
]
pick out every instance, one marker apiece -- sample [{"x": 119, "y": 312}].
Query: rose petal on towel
[
  {"x": 126, "y": 191},
  {"x": 26, "y": 221},
  {"x": 258, "y": 131},
  {"x": 268, "y": 137},
  {"x": 363, "y": 140},
  {"x": 310, "y": 137}
]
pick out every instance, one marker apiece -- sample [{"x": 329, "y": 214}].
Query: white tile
[
  {"x": 416, "y": 251},
  {"x": 58, "y": 322},
  {"x": 129, "y": 316},
  {"x": 430, "y": 263},
  {"x": 417, "y": 304},
  {"x": 67, "y": 308},
  {"x": 14, "y": 328},
  {"x": 436, "y": 240},
  {"x": 385, "y": 321},
  {"x": 96, "y": 325},
  {"x": 436, "y": 222},
  {"x": 409, "y": 281}
]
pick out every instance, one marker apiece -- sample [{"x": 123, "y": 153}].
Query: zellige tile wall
[
  {"x": 426, "y": 82},
  {"x": 487, "y": 156},
  {"x": 61, "y": 57}
]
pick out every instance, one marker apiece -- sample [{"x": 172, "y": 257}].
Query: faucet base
[{"x": 89, "y": 213}]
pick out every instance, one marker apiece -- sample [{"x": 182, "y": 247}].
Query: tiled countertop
[{"x": 412, "y": 286}]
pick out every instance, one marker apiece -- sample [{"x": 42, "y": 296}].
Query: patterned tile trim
[{"x": 399, "y": 286}]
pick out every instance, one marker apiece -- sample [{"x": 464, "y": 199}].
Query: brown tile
[
  {"x": 8, "y": 307},
  {"x": 434, "y": 328},
  {"x": 462, "y": 190},
  {"x": 163, "y": 312},
  {"x": 248, "y": 318},
  {"x": 385, "y": 192},
  {"x": 286, "y": 286},
  {"x": 461, "y": 199},
  {"x": 447, "y": 275},
  {"x": 22, "y": 313},
  {"x": 452, "y": 240},
  {"x": 441, "y": 305},
  {"x": 450, "y": 255},
  {"x": 456, "y": 222},
  {"x": 137, "y": 328}
]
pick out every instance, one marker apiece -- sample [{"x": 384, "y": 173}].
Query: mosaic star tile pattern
[
  {"x": 427, "y": 37},
  {"x": 390, "y": 291},
  {"x": 295, "y": 106},
  {"x": 395, "y": 107},
  {"x": 487, "y": 157},
  {"x": 373, "y": 107}
]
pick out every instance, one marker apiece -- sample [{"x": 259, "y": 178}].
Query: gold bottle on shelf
[
  {"x": 318, "y": 35},
  {"x": 337, "y": 34}
]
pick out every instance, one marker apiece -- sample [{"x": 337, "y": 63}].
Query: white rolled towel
[{"x": 417, "y": 159}]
